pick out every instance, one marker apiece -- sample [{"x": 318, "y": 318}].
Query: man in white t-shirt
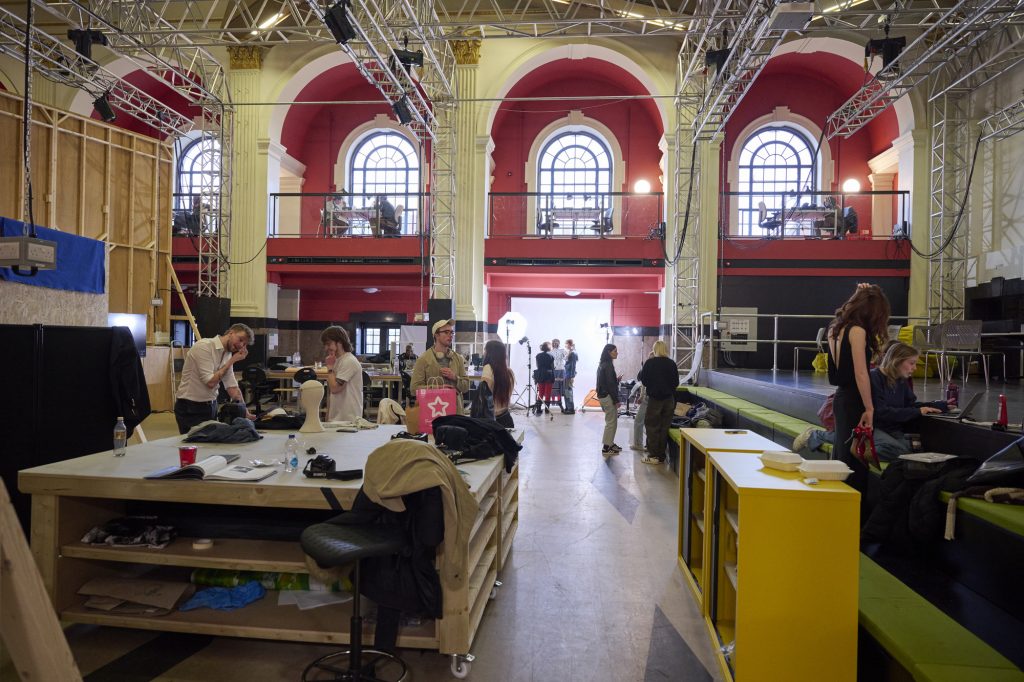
[{"x": 344, "y": 377}]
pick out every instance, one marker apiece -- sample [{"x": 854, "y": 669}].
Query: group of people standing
[
  {"x": 659, "y": 378},
  {"x": 555, "y": 366}
]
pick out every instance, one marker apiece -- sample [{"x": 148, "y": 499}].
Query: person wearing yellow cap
[{"x": 442, "y": 362}]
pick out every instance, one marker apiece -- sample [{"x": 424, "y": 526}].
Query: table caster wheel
[
  {"x": 494, "y": 589},
  {"x": 461, "y": 665}
]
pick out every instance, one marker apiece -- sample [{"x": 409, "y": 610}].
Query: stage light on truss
[
  {"x": 337, "y": 21},
  {"x": 402, "y": 111},
  {"x": 85, "y": 39},
  {"x": 410, "y": 57},
  {"x": 103, "y": 108}
]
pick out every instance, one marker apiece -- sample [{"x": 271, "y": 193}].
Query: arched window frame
[
  {"x": 197, "y": 158},
  {"x": 824, "y": 170},
  {"x": 575, "y": 121},
  {"x": 402, "y": 184}
]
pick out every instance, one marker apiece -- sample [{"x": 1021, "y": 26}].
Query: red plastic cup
[{"x": 187, "y": 455}]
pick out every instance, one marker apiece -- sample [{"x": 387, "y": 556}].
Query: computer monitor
[{"x": 136, "y": 322}]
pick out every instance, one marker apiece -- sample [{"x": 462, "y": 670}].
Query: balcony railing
[
  {"x": 817, "y": 214},
  {"x": 346, "y": 215},
  {"x": 573, "y": 216}
]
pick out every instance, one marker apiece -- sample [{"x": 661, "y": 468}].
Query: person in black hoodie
[
  {"x": 895, "y": 404},
  {"x": 544, "y": 375},
  {"x": 660, "y": 377},
  {"x": 608, "y": 395}
]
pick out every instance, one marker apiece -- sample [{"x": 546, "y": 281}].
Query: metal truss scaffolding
[
  {"x": 966, "y": 26},
  {"x": 1004, "y": 123},
  {"x": 950, "y": 148},
  {"x": 442, "y": 204}
]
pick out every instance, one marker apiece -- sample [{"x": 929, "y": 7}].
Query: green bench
[{"x": 926, "y": 642}]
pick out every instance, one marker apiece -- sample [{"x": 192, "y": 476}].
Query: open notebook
[{"x": 215, "y": 468}]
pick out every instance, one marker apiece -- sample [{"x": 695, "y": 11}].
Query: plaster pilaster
[
  {"x": 913, "y": 176},
  {"x": 248, "y": 275},
  {"x": 881, "y": 206},
  {"x": 469, "y": 213}
]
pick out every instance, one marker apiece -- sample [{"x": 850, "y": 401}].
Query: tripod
[{"x": 517, "y": 399}]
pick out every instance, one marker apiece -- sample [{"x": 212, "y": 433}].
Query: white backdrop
[{"x": 552, "y": 318}]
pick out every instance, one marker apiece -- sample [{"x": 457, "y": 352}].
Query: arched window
[
  {"x": 386, "y": 163},
  {"x": 574, "y": 173},
  {"x": 198, "y": 174},
  {"x": 773, "y": 161}
]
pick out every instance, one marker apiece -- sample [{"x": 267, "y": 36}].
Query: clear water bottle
[
  {"x": 291, "y": 453},
  {"x": 120, "y": 437}
]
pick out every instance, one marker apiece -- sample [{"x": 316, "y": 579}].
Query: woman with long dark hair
[
  {"x": 544, "y": 375},
  {"x": 854, "y": 337},
  {"x": 500, "y": 380},
  {"x": 608, "y": 396}
]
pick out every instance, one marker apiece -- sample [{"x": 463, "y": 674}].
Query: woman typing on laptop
[{"x": 896, "y": 406}]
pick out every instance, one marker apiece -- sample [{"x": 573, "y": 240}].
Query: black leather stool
[{"x": 335, "y": 545}]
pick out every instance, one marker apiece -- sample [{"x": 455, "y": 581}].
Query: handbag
[
  {"x": 435, "y": 400},
  {"x": 826, "y": 413},
  {"x": 482, "y": 406},
  {"x": 1005, "y": 468}
]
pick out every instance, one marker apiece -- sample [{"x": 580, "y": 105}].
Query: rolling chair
[
  {"x": 255, "y": 378},
  {"x": 764, "y": 221},
  {"x": 388, "y": 230},
  {"x": 603, "y": 225},
  {"x": 367, "y": 393}
]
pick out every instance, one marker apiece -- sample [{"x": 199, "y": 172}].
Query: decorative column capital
[
  {"x": 245, "y": 57},
  {"x": 467, "y": 52}
]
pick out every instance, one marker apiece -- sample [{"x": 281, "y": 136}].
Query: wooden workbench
[{"x": 70, "y": 497}]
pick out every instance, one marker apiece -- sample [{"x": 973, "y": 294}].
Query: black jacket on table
[
  {"x": 896, "y": 404},
  {"x": 660, "y": 376},
  {"x": 607, "y": 381}
]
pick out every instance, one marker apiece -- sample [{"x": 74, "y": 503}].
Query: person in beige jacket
[{"x": 441, "y": 362}]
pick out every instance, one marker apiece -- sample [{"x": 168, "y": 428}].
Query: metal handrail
[{"x": 710, "y": 340}]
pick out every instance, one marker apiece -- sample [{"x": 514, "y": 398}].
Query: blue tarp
[{"x": 80, "y": 260}]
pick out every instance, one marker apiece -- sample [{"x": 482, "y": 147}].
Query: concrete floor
[{"x": 592, "y": 591}]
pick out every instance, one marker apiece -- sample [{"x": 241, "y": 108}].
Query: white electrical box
[{"x": 737, "y": 326}]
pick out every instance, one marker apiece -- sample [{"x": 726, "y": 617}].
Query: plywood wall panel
[
  {"x": 69, "y": 172},
  {"x": 117, "y": 279},
  {"x": 118, "y": 187},
  {"x": 94, "y": 219},
  {"x": 100, "y": 182}
]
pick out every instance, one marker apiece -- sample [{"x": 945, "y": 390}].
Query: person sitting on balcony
[{"x": 385, "y": 221}]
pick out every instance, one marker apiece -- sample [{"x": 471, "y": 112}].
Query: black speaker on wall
[{"x": 213, "y": 315}]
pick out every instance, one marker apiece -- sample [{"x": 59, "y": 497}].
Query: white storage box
[
  {"x": 825, "y": 469},
  {"x": 783, "y": 460}
]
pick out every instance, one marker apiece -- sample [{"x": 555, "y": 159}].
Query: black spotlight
[
  {"x": 402, "y": 111},
  {"x": 85, "y": 39},
  {"x": 103, "y": 108},
  {"x": 337, "y": 21},
  {"x": 410, "y": 57}
]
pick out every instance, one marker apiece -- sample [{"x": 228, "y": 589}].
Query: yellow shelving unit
[
  {"x": 696, "y": 445},
  {"x": 782, "y": 603}
]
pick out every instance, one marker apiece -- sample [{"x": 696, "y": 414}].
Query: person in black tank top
[{"x": 854, "y": 336}]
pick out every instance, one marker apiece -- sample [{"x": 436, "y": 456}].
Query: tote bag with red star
[{"x": 436, "y": 400}]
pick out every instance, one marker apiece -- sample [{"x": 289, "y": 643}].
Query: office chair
[
  {"x": 396, "y": 229},
  {"x": 603, "y": 225},
  {"x": 255, "y": 378},
  {"x": 367, "y": 393},
  {"x": 764, "y": 221}
]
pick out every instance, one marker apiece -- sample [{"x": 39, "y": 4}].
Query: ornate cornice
[
  {"x": 467, "y": 52},
  {"x": 246, "y": 57}
]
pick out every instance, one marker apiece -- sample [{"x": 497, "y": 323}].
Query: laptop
[{"x": 962, "y": 414}]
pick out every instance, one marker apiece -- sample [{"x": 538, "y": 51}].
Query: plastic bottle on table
[
  {"x": 120, "y": 437},
  {"x": 953, "y": 393},
  {"x": 291, "y": 453}
]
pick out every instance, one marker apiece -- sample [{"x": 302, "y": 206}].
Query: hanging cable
[
  {"x": 26, "y": 121},
  {"x": 960, "y": 213}
]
